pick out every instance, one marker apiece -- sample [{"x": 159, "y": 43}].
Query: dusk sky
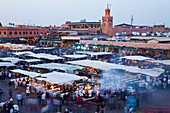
[{"x": 57, "y": 12}]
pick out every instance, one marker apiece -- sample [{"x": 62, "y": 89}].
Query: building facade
[
  {"x": 22, "y": 31},
  {"x": 127, "y": 29},
  {"x": 150, "y": 49}
]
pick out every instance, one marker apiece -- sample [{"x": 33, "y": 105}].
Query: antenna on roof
[{"x": 132, "y": 20}]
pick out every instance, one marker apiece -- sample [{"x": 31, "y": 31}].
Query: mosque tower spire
[{"x": 107, "y": 23}]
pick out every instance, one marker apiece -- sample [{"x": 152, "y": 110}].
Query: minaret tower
[{"x": 107, "y": 23}]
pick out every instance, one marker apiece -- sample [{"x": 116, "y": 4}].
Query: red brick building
[
  {"x": 127, "y": 29},
  {"x": 22, "y": 31}
]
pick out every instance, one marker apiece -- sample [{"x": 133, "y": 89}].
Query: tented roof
[
  {"x": 6, "y": 64},
  {"x": 45, "y": 56},
  {"x": 165, "y": 62},
  {"x": 51, "y": 66},
  {"x": 94, "y": 53},
  {"x": 139, "y": 58},
  {"x": 75, "y": 56},
  {"x": 22, "y": 53},
  {"x": 59, "y": 78},
  {"x": 27, "y": 73},
  {"x": 107, "y": 66},
  {"x": 11, "y": 59}
]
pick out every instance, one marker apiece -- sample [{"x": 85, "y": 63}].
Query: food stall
[
  {"x": 59, "y": 67},
  {"x": 75, "y": 57},
  {"x": 56, "y": 79}
]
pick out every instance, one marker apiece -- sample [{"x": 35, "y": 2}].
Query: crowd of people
[{"x": 73, "y": 96}]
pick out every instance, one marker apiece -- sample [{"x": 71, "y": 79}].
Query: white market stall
[
  {"x": 60, "y": 67},
  {"x": 75, "y": 57},
  {"x": 138, "y": 58},
  {"x": 17, "y": 60},
  {"x": 165, "y": 62},
  {"x": 22, "y": 53},
  {"x": 55, "y": 79},
  {"x": 45, "y": 56},
  {"x": 93, "y": 53},
  {"x": 45, "y": 48},
  {"x": 107, "y": 66},
  {"x": 6, "y": 64},
  {"x": 60, "y": 78},
  {"x": 27, "y": 73},
  {"x": 10, "y": 59}
]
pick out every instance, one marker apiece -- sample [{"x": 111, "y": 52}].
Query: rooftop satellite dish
[
  {"x": 95, "y": 39},
  {"x": 144, "y": 34}
]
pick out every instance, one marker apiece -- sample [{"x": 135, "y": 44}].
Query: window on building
[
  {"x": 30, "y": 32},
  {"x": 10, "y": 33},
  {"x": 4, "y": 33},
  {"x": 20, "y": 33},
  {"x": 34, "y": 32},
  {"x": 0, "y": 33},
  {"x": 15, "y": 33},
  {"x": 104, "y": 25},
  {"x": 124, "y": 26},
  {"x": 37, "y": 32},
  {"x": 24, "y": 33}
]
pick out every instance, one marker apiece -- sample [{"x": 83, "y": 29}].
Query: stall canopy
[
  {"x": 65, "y": 67},
  {"x": 31, "y": 60},
  {"x": 27, "y": 73},
  {"x": 6, "y": 64},
  {"x": 46, "y": 48},
  {"x": 10, "y": 59},
  {"x": 93, "y": 53},
  {"x": 22, "y": 53},
  {"x": 76, "y": 56},
  {"x": 45, "y": 56},
  {"x": 59, "y": 78},
  {"x": 165, "y": 62},
  {"x": 107, "y": 66},
  {"x": 139, "y": 58},
  {"x": 15, "y": 60}
]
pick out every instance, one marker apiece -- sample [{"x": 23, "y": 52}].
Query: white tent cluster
[
  {"x": 15, "y": 60},
  {"x": 107, "y": 66},
  {"x": 45, "y": 56},
  {"x": 10, "y": 59},
  {"x": 93, "y": 53},
  {"x": 76, "y": 56},
  {"x": 41, "y": 55},
  {"x": 139, "y": 58},
  {"x": 23, "y": 53},
  {"x": 6, "y": 64},
  {"x": 51, "y": 66},
  {"x": 165, "y": 62},
  {"x": 27, "y": 73},
  {"x": 60, "y": 78},
  {"x": 53, "y": 77}
]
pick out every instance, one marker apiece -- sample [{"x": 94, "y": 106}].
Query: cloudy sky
[{"x": 56, "y": 12}]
